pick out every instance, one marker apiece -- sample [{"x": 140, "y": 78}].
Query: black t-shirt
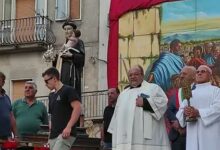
[
  {"x": 61, "y": 110},
  {"x": 108, "y": 113}
]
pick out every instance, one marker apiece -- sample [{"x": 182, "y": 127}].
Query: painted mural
[
  {"x": 145, "y": 37},
  {"x": 196, "y": 23},
  {"x": 193, "y": 22}
]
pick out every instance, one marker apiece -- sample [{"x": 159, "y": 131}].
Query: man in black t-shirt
[
  {"x": 106, "y": 138},
  {"x": 64, "y": 108}
]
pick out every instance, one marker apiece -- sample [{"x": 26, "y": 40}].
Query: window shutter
[{"x": 75, "y": 9}]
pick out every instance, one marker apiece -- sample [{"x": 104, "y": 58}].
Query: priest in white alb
[
  {"x": 203, "y": 134},
  {"x": 138, "y": 122}
]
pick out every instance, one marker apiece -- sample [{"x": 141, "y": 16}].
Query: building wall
[
  {"x": 103, "y": 43},
  {"x": 29, "y": 65},
  {"x": 23, "y": 66},
  {"x": 138, "y": 40}
]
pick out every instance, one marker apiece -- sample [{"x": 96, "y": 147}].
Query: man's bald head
[
  {"x": 188, "y": 73},
  {"x": 136, "y": 76}
]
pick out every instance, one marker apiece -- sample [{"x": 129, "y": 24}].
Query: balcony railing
[
  {"x": 26, "y": 31},
  {"x": 93, "y": 103}
]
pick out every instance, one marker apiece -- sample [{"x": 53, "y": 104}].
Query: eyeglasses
[
  {"x": 46, "y": 81},
  {"x": 201, "y": 71}
]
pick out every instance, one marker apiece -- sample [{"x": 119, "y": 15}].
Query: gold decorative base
[{"x": 191, "y": 119}]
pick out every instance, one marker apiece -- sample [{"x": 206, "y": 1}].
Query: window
[
  {"x": 41, "y": 7},
  {"x": 17, "y": 9},
  {"x": 41, "y": 10},
  {"x": 5, "y": 36},
  {"x": 62, "y": 9},
  {"x": 7, "y": 9},
  {"x": 68, "y": 9}
]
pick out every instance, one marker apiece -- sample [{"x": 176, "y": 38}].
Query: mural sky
[{"x": 190, "y": 20}]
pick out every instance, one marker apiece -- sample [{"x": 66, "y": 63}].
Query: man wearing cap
[
  {"x": 72, "y": 63},
  {"x": 202, "y": 134}
]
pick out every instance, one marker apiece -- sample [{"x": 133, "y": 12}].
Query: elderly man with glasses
[{"x": 202, "y": 134}]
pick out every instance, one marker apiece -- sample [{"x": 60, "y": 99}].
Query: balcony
[
  {"x": 26, "y": 33},
  {"x": 94, "y": 104}
]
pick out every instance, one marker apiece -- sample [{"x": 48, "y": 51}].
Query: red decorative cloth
[
  {"x": 10, "y": 144},
  {"x": 41, "y": 148}
]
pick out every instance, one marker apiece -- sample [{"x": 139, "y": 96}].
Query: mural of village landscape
[{"x": 193, "y": 22}]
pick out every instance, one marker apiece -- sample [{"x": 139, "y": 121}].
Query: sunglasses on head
[
  {"x": 201, "y": 71},
  {"x": 46, "y": 81}
]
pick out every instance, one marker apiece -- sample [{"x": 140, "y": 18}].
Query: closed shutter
[
  {"x": 25, "y": 8},
  {"x": 75, "y": 11},
  {"x": 25, "y": 28},
  {"x": 18, "y": 89}
]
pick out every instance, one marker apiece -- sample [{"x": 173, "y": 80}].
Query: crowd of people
[
  {"x": 182, "y": 113},
  {"x": 144, "y": 117},
  {"x": 26, "y": 115},
  {"x": 206, "y": 54}
]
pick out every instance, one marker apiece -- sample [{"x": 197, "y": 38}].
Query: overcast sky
[{"x": 190, "y": 9}]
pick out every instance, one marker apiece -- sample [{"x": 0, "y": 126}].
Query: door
[{"x": 18, "y": 89}]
